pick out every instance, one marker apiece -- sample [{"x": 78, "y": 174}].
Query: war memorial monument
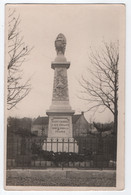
[{"x": 60, "y": 131}]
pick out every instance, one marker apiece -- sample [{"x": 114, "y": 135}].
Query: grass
[{"x": 56, "y": 181}]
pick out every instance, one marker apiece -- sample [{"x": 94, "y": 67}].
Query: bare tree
[
  {"x": 17, "y": 53},
  {"x": 100, "y": 89}
]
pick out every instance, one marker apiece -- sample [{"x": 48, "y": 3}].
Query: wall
[
  {"x": 39, "y": 128},
  {"x": 81, "y": 127}
]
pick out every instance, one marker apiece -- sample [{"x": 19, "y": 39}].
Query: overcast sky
[{"x": 84, "y": 26}]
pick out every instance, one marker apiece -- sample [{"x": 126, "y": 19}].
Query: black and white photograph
[{"x": 64, "y": 96}]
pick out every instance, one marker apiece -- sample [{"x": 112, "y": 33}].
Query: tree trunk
[{"x": 115, "y": 104}]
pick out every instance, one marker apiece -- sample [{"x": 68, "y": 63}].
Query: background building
[{"x": 80, "y": 126}]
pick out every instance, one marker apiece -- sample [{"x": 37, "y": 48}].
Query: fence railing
[{"x": 81, "y": 152}]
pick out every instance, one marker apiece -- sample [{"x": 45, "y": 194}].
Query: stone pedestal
[{"x": 60, "y": 126}]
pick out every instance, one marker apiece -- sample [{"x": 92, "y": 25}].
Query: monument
[{"x": 60, "y": 132}]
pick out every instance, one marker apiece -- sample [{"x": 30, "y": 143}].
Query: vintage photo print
[{"x": 64, "y": 96}]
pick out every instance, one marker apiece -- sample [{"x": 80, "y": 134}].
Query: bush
[{"x": 59, "y": 157}]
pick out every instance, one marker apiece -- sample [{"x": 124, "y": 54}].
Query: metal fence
[{"x": 91, "y": 152}]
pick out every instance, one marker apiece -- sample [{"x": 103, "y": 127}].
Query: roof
[
  {"x": 45, "y": 120},
  {"x": 41, "y": 120},
  {"x": 75, "y": 118}
]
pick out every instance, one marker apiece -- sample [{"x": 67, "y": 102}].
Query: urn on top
[{"x": 60, "y": 44}]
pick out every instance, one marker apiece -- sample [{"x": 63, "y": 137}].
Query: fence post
[
  {"x": 51, "y": 144},
  {"x": 74, "y": 145},
  {"x": 63, "y": 145},
  {"x": 68, "y": 144},
  {"x": 57, "y": 144}
]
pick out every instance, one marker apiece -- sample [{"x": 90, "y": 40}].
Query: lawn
[{"x": 89, "y": 181}]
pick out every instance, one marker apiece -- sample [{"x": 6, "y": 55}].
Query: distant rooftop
[{"x": 41, "y": 120}]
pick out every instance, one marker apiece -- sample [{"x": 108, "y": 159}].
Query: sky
[{"x": 85, "y": 27}]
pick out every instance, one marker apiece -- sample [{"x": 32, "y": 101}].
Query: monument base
[{"x": 60, "y": 145}]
